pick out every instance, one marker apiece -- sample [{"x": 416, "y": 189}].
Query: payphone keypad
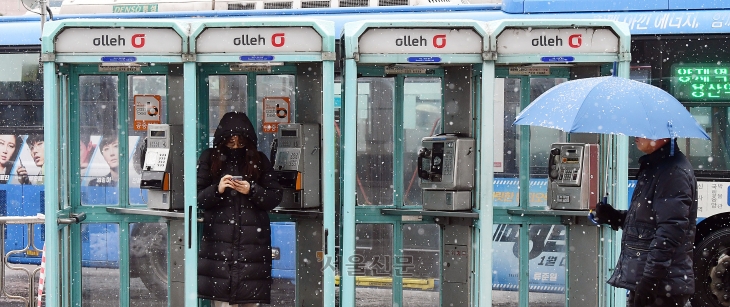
[
  {"x": 448, "y": 168},
  {"x": 569, "y": 169},
  {"x": 156, "y": 159}
]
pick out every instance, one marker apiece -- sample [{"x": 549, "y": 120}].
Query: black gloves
[
  {"x": 606, "y": 214},
  {"x": 644, "y": 292}
]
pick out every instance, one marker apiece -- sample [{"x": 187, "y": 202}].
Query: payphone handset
[
  {"x": 573, "y": 176},
  {"x": 446, "y": 169},
  {"x": 159, "y": 161},
  {"x": 297, "y": 164}
]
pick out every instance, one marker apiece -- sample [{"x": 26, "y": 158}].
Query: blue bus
[{"x": 679, "y": 47}]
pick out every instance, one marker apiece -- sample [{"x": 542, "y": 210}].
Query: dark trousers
[{"x": 675, "y": 300}]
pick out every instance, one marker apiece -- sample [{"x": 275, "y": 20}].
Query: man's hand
[
  {"x": 644, "y": 292},
  {"x": 23, "y": 174},
  {"x": 606, "y": 214}
]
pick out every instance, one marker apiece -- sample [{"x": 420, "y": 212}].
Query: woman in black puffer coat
[{"x": 235, "y": 250}]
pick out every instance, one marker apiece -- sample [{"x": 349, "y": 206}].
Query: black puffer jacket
[
  {"x": 659, "y": 231},
  {"x": 235, "y": 249}
]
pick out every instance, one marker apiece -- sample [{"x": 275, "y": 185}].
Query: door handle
[{"x": 73, "y": 218}]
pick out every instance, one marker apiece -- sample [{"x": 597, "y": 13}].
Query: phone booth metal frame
[
  {"x": 613, "y": 153},
  {"x": 63, "y": 249},
  {"x": 318, "y": 291},
  {"x": 479, "y": 218}
]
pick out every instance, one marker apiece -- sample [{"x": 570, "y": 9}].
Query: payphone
[
  {"x": 297, "y": 164},
  {"x": 446, "y": 169},
  {"x": 164, "y": 154},
  {"x": 573, "y": 176}
]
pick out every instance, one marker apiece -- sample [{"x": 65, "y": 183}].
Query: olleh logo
[
  {"x": 138, "y": 41},
  {"x": 277, "y": 40},
  {"x": 574, "y": 41},
  {"x": 438, "y": 41}
]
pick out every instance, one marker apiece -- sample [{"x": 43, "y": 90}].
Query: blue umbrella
[{"x": 612, "y": 105}]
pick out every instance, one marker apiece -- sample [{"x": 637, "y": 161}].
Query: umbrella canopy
[{"x": 612, "y": 105}]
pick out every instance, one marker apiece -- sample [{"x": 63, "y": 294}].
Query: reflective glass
[
  {"x": 419, "y": 264},
  {"x": 99, "y": 151},
  {"x": 147, "y": 99},
  {"x": 279, "y": 89},
  {"x": 505, "y": 275},
  {"x": 548, "y": 260},
  {"x": 372, "y": 264},
  {"x": 375, "y": 98},
  {"x": 100, "y": 278},
  {"x": 508, "y": 91},
  {"x": 422, "y": 118},
  {"x": 148, "y": 260},
  {"x": 226, "y": 93}
]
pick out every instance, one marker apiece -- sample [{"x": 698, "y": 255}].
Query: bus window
[
  {"x": 709, "y": 155},
  {"x": 689, "y": 69},
  {"x": 21, "y": 94}
]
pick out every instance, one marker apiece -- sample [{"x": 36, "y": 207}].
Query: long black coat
[
  {"x": 234, "y": 262},
  {"x": 659, "y": 228}
]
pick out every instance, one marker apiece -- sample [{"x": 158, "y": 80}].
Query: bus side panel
[
  {"x": 15, "y": 235},
  {"x": 283, "y": 236}
]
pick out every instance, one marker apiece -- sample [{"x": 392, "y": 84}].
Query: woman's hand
[
  {"x": 242, "y": 186},
  {"x": 227, "y": 181}
]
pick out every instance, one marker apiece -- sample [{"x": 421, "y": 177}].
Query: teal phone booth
[
  {"x": 105, "y": 81},
  {"x": 127, "y": 91},
  {"x": 530, "y": 57},
  {"x": 413, "y": 135},
  {"x": 280, "y": 72}
]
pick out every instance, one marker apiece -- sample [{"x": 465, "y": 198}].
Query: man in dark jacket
[
  {"x": 658, "y": 229},
  {"x": 236, "y": 188}
]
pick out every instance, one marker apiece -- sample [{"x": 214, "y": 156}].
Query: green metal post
[
  {"x": 328, "y": 180},
  {"x": 51, "y": 139},
  {"x": 349, "y": 171},
  {"x": 486, "y": 187},
  {"x": 524, "y": 147},
  {"x": 190, "y": 157}
]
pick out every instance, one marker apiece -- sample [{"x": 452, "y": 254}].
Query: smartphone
[{"x": 237, "y": 178}]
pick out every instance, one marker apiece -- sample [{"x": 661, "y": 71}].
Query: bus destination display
[{"x": 698, "y": 82}]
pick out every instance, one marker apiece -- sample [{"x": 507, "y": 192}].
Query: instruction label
[
  {"x": 147, "y": 110},
  {"x": 276, "y": 111}
]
